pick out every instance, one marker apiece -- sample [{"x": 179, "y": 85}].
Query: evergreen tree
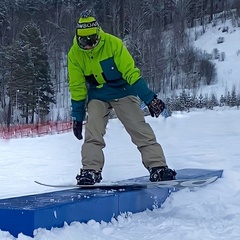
[
  {"x": 32, "y": 77},
  {"x": 9, "y": 65},
  {"x": 200, "y": 101},
  {"x": 222, "y": 101},
  {"x": 211, "y": 102},
  {"x": 228, "y": 98},
  {"x": 177, "y": 104},
  {"x": 233, "y": 99},
  {"x": 185, "y": 100},
  {"x": 189, "y": 101},
  {"x": 214, "y": 101},
  {"x": 238, "y": 101}
]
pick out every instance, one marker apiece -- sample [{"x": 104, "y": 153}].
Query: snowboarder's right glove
[
  {"x": 77, "y": 129},
  {"x": 156, "y": 106}
]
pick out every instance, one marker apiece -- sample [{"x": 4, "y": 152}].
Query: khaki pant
[{"x": 130, "y": 114}]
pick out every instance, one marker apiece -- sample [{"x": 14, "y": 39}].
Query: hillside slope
[{"x": 228, "y": 71}]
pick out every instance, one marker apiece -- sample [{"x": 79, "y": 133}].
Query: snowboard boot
[
  {"x": 161, "y": 174},
  {"x": 88, "y": 177}
]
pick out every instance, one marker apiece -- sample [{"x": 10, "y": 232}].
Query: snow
[
  {"x": 199, "y": 139},
  {"x": 228, "y": 71}
]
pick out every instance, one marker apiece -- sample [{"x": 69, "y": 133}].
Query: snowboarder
[{"x": 102, "y": 73}]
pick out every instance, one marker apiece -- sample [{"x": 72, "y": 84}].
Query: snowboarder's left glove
[
  {"x": 156, "y": 106},
  {"x": 77, "y": 129}
]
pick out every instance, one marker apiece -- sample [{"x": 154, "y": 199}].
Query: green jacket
[{"x": 106, "y": 72}]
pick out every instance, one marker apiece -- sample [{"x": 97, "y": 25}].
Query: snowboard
[{"x": 125, "y": 184}]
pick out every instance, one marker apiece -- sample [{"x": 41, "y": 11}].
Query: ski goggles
[{"x": 84, "y": 41}]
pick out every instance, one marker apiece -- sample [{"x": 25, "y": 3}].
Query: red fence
[{"x": 19, "y": 131}]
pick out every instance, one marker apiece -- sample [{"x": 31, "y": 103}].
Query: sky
[{"x": 206, "y": 139}]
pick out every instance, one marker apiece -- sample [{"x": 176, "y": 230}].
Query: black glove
[
  {"x": 156, "y": 106},
  {"x": 77, "y": 129}
]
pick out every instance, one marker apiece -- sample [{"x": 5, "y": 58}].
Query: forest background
[{"x": 35, "y": 36}]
